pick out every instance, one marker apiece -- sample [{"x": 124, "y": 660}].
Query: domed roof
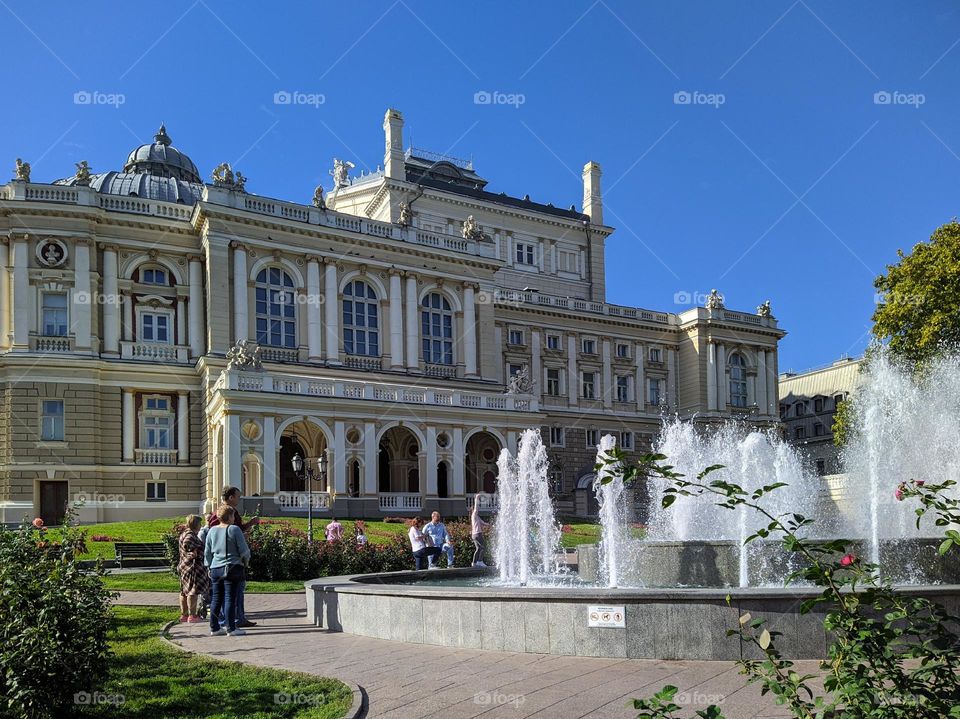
[{"x": 161, "y": 158}]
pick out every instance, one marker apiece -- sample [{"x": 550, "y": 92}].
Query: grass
[
  {"x": 168, "y": 582},
  {"x": 162, "y": 682}
]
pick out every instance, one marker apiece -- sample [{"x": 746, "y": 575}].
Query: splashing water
[{"x": 614, "y": 531}]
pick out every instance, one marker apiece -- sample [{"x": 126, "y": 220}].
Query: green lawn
[
  {"x": 168, "y": 582},
  {"x": 159, "y": 681}
]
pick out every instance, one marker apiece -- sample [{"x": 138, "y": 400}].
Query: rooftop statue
[
  {"x": 520, "y": 383},
  {"x": 405, "y": 215},
  {"x": 23, "y": 171},
  {"x": 318, "y": 200},
  {"x": 471, "y": 230},
  {"x": 764, "y": 310},
  {"x": 222, "y": 175},
  {"x": 714, "y": 301},
  {"x": 341, "y": 172},
  {"x": 244, "y": 355},
  {"x": 83, "y": 173}
]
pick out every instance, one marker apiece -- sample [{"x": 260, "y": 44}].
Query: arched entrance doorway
[
  {"x": 481, "y": 463},
  {"x": 306, "y": 439},
  {"x": 398, "y": 465}
]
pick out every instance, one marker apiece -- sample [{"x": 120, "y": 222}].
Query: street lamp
[{"x": 308, "y": 475}]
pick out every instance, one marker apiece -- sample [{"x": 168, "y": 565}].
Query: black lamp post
[{"x": 308, "y": 475}]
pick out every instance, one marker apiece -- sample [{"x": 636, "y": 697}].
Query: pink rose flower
[
  {"x": 38, "y": 523},
  {"x": 847, "y": 560},
  {"x": 920, "y": 482},
  {"x": 898, "y": 494}
]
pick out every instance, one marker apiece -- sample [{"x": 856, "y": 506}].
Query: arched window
[
  {"x": 154, "y": 275},
  {"x": 436, "y": 320},
  {"x": 738, "y": 380},
  {"x": 361, "y": 328},
  {"x": 276, "y": 309}
]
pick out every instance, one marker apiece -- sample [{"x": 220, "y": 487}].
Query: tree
[{"x": 917, "y": 315}]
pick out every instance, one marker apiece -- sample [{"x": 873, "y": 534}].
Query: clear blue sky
[{"x": 799, "y": 187}]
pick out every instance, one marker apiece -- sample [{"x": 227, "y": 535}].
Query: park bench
[{"x": 140, "y": 554}]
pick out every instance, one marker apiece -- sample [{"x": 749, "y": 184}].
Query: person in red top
[{"x": 231, "y": 497}]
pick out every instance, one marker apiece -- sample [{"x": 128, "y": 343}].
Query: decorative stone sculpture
[
  {"x": 318, "y": 200},
  {"x": 83, "y": 173},
  {"x": 341, "y": 172},
  {"x": 23, "y": 171},
  {"x": 764, "y": 309},
  {"x": 405, "y": 215},
  {"x": 520, "y": 383},
  {"x": 240, "y": 183},
  {"x": 222, "y": 175},
  {"x": 244, "y": 355},
  {"x": 714, "y": 301},
  {"x": 471, "y": 230}
]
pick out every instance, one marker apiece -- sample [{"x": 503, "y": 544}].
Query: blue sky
[{"x": 785, "y": 177}]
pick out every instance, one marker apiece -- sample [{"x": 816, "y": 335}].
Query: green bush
[{"x": 54, "y": 619}]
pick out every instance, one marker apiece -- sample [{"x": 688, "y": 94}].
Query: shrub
[{"x": 54, "y": 619}]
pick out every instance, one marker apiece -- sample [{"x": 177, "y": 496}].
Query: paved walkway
[{"x": 415, "y": 681}]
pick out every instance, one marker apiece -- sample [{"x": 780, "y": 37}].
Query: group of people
[
  {"x": 429, "y": 541},
  {"x": 213, "y": 564}
]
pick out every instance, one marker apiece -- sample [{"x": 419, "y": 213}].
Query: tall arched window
[
  {"x": 361, "y": 327},
  {"x": 436, "y": 320},
  {"x": 276, "y": 309},
  {"x": 738, "y": 380}
]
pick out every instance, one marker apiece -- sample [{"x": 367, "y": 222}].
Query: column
[
  {"x": 711, "y": 376},
  {"x": 270, "y": 455},
  {"x": 83, "y": 301},
  {"x": 536, "y": 369},
  {"x": 313, "y": 310},
  {"x": 339, "y": 464},
  {"x": 721, "y": 377},
  {"x": 413, "y": 352},
  {"x": 129, "y": 420},
  {"x": 751, "y": 390},
  {"x": 195, "y": 307},
  {"x": 111, "y": 302},
  {"x": 183, "y": 427},
  {"x": 181, "y": 321},
  {"x": 241, "y": 324},
  {"x": 761, "y": 383},
  {"x": 573, "y": 382},
  {"x": 672, "y": 392},
  {"x": 459, "y": 464},
  {"x": 396, "y": 321},
  {"x": 370, "y": 448},
  {"x": 21, "y": 295},
  {"x": 4, "y": 293},
  {"x": 512, "y": 442},
  {"x": 231, "y": 452},
  {"x": 431, "y": 468},
  {"x": 639, "y": 390},
  {"x": 127, "y": 300},
  {"x": 498, "y": 343},
  {"x": 772, "y": 399},
  {"x": 469, "y": 333},
  {"x": 332, "y": 311},
  {"x": 607, "y": 377}
]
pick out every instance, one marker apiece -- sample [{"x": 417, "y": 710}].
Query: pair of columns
[
  {"x": 129, "y": 426},
  {"x": 761, "y": 386}
]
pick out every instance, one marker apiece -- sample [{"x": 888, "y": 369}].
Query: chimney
[
  {"x": 592, "y": 204},
  {"x": 393, "y": 160}
]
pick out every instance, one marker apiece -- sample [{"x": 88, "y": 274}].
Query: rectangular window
[
  {"x": 153, "y": 276},
  {"x": 799, "y": 433},
  {"x": 626, "y": 440},
  {"x": 553, "y": 342},
  {"x": 556, "y": 436},
  {"x": 836, "y": 401},
  {"x": 156, "y": 491},
  {"x": 553, "y": 382},
  {"x": 526, "y": 254},
  {"x": 784, "y": 410},
  {"x": 623, "y": 389},
  {"x": 516, "y": 337},
  {"x": 568, "y": 261},
  {"x": 155, "y": 327},
  {"x": 653, "y": 391},
  {"x": 54, "y": 314},
  {"x": 819, "y": 430},
  {"x": 156, "y": 423},
  {"x": 818, "y": 404},
  {"x": 51, "y": 420},
  {"x": 798, "y": 409},
  {"x": 821, "y": 467},
  {"x": 593, "y": 438},
  {"x": 655, "y": 354},
  {"x": 556, "y": 481},
  {"x": 589, "y": 385},
  {"x": 589, "y": 347},
  {"x": 623, "y": 350}
]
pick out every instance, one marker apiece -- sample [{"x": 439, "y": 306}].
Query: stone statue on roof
[
  {"x": 471, "y": 230},
  {"x": 318, "y": 200},
  {"x": 341, "y": 172},
  {"x": 83, "y": 173},
  {"x": 23, "y": 171},
  {"x": 244, "y": 355},
  {"x": 714, "y": 301},
  {"x": 405, "y": 215},
  {"x": 764, "y": 310}
]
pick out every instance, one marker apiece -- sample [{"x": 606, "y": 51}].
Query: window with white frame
[
  {"x": 51, "y": 420},
  {"x": 515, "y": 337},
  {"x": 553, "y": 342},
  {"x": 654, "y": 395},
  {"x": 556, "y": 481},
  {"x": 655, "y": 355},
  {"x": 626, "y": 440},
  {"x": 592, "y": 438},
  {"x": 514, "y": 369},
  {"x": 156, "y": 423},
  {"x": 156, "y": 326},
  {"x": 568, "y": 261},
  {"x": 556, "y": 436},
  {"x": 623, "y": 350},
  {"x": 276, "y": 308},
  {"x": 623, "y": 389},
  {"x": 554, "y": 387},
  {"x": 156, "y": 491},
  {"x": 738, "y": 380},
  {"x": 589, "y": 346},
  {"x": 588, "y": 385},
  {"x": 154, "y": 276},
  {"x": 436, "y": 325},
  {"x": 53, "y": 314},
  {"x": 526, "y": 254},
  {"x": 361, "y": 321}
]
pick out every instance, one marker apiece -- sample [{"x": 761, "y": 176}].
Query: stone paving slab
[{"x": 415, "y": 681}]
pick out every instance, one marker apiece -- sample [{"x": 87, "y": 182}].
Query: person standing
[
  {"x": 334, "y": 530},
  {"x": 194, "y": 581},
  {"x": 226, "y": 554},
  {"x": 477, "y": 528},
  {"x": 231, "y": 498},
  {"x": 440, "y": 537},
  {"x": 420, "y": 544}
]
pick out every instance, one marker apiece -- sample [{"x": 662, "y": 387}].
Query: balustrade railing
[
  {"x": 155, "y": 456},
  {"x": 400, "y": 502}
]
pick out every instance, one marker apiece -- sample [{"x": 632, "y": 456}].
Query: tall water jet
[
  {"x": 614, "y": 533},
  {"x": 508, "y": 519}
]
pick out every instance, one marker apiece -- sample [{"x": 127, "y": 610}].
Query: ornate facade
[{"x": 161, "y": 337}]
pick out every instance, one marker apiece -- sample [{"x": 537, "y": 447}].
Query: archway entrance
[
  {"x": 481, "y": 463},
  {"x": 306, "y": 439},
  {"x": 398, "y": 465}
]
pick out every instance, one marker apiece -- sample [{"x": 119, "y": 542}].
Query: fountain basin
[{"x": 688, "y": 623}]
